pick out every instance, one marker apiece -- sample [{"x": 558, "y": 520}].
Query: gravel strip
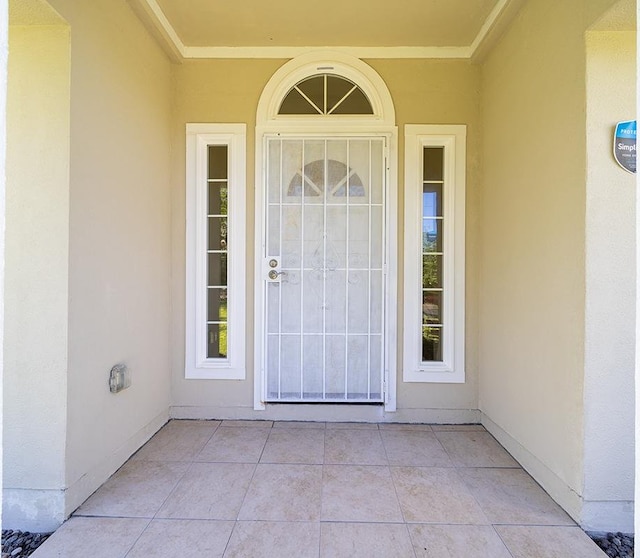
[
  {"x": 615, "y": 545},
  {"x": 20, "y": 544}
]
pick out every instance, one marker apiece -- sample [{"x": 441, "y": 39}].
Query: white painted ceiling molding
[
  {"x": 160, "y": 27},
  {"x": 358, "y": 52},
  {"x": 150, "y": 12},
  {"x": 494, "y": 27}
]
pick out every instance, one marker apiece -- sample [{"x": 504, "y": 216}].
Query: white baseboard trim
[
  {"x": 566, "y": 497},
  {"x": 593, "y": 516},
  {"x": 88, "y": 483},
  {"x": 328, "y": 413},
  {"x": 37, "y": 511}
]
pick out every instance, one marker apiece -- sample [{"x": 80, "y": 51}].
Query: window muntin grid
[
  {"x": 325, "y": 94},
  {"x": 217, "y": 250},
  {"x": 432, "y": 253}
]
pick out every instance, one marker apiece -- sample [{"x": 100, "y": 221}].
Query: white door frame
[{"x": 381, "y": 123}]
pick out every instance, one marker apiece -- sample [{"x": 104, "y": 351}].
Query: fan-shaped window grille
[
  {"x": 338, "y": 177},
  {"x": 325, "y": 94}
]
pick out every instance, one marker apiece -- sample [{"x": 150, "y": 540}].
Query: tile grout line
[
  {"x": 322, "y": 479},
  {"x": 471, "y": 493},
  {"x": 137, "y": 539},
  {"x": 266, "y": 441},
  {"x": 453, "y": 461},
  {"x": 255, "y": 468},
  {"x": 395, "y": 491},
  {"x": 191, "y": 462},
  {"x": 170, "y": 492},
  {"x": 502, "y": 540},
  {"x": 457, "y": 467},
  {"x": 233, "y": 530},
  {"x": 236, "y": 521}
]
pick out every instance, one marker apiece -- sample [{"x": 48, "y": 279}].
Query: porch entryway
[{"x": 244, "y": 489}]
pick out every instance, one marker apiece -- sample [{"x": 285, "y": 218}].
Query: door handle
[{"x": 273, "y": 274}]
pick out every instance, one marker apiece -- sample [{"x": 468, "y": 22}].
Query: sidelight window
[
  {"x": 434, "y": 253},
  {"x": 215, "y": 251}
]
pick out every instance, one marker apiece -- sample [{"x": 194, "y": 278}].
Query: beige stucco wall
[
  {"x": 424, "y": 92},
  {"x": 611, "y": 288},
  {"x": 119, "y": 238},
  {"x": 118, "y": 263},
  {"x": 37, "y": 249},
  {"x": 4, "y": 71},
  {"x": 533, "y": 279}
]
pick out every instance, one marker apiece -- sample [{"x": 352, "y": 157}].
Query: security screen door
[{"x": 325, "y": 239}]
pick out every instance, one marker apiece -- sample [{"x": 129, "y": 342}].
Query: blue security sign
[{"x": 624, "y": 145}]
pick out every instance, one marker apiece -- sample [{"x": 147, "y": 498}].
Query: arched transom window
[{"x": 325, "y": 94}]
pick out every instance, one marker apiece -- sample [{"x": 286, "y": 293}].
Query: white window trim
[
  {"x": 453, "y": 139},
  {"x": 197, "y": 365}
]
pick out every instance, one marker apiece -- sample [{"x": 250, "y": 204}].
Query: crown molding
[
  {"x": 494, "y": 27},
  {"x": 358, "y": 52},
  {"x": 160, "y": 27},
  {"x": 157, "y": 22}
]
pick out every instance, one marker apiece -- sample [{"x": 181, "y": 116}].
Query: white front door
[{"x": 323, "y": 269}]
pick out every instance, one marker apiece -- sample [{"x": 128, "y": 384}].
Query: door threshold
[{"x": 329, "y": 402}]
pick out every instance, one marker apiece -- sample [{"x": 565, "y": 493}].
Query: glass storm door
[{"x": 323, "y": 269}]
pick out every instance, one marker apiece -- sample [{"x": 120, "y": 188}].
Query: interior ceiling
[
  {"x": 621, "y": 17},
  {"x": 361, "y": 23},
  {"x": 33, "y": 12}
]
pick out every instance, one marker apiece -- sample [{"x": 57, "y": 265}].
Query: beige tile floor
[{"x": 260, "y": 489}]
